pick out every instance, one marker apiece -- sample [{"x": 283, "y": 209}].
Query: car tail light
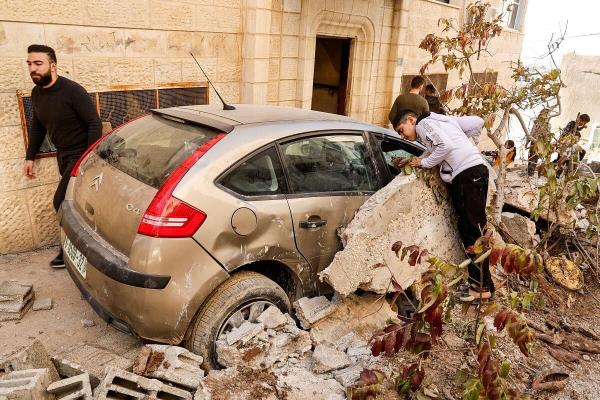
[
  {"x": 75, "y": 170},
  {"x": 167, "y": 216}
]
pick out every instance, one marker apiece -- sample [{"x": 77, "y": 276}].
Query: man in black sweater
[{"x": 63, "y": 110}]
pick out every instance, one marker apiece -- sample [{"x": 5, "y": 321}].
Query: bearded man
[{"x": 63, "y": 110}]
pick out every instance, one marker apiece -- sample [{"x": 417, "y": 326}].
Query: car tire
[{"x": 240, "y": 289}]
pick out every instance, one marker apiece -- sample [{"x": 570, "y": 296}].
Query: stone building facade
[{"x": 256, "y": 51}]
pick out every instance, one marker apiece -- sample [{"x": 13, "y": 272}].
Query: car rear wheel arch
[
  {"x": 279, "y": 273},
  {"x": 242, "y": 288}
]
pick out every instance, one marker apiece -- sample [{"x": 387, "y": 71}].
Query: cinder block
[
  {"x": 33, "y": 357},
  {"x": 170, "y": 363},
  {"x": 14, "y": 291},
  {"x": 76, "y": 387},
  {"x": 26, "y": 385},
  {"x": 85, "y": 358},
  {"x": 123, "y": 384}
]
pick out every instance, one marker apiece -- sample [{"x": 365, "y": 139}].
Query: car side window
[
  {"x": 332, "y": 163},
  {"x": 260, "y": 175},
  {"x": 395, "y": 149}
]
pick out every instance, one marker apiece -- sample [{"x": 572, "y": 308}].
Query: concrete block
[
  {"x": 299, "y": 383},
  {"x": 519, "y": 229},
  {"x": 85, "y": 358},
  {"x": 123, "y": 384},
  {"x": 169, "y": 363},
  {"x": 327, "y": 358},
  {"x": 42, "y": 304},
  {"x": 244, "y": 332},
  {"x": 76, "y": 387},
  {"x": 34, "y": 356},
  {"x": 29, "y": 384},
  {"x": 310, "y": 310},
  {"x": 272, "y": 318},
  {"x": 16, "y": 315}
]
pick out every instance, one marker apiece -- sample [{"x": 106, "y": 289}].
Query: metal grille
[{"x": 120, "y": 106}]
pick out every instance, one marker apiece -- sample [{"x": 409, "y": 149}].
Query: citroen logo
[{"x": 96, "y": 182}]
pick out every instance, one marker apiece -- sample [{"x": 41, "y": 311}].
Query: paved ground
[{"x": 61, "y": 327}]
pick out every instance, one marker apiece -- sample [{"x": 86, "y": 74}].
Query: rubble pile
[{"x": 272, "y": 356}]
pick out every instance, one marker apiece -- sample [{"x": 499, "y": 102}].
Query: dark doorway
[{"x": 330, "y": 82}]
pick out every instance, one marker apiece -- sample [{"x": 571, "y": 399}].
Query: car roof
[{"x": 245, "y": 114}]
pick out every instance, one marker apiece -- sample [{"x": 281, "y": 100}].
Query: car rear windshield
[{"x": 150, "y": 148}]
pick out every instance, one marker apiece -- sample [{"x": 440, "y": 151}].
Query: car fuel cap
[{"x": 243, "y": 221}]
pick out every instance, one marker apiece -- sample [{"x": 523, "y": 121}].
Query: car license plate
[{"x": 76, "y": 257}]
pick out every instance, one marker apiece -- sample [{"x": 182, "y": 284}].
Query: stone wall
[{"x": 256, "y": 51}]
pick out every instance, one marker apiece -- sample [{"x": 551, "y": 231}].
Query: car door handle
[{"x": 312, "y": 224}]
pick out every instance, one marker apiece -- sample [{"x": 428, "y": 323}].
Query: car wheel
[{"x": 243, "y": 297}]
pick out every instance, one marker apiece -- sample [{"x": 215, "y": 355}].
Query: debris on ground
[
  {"x": 87, "y": 323},
  {"x": 406, "y": 210},
  {"x": 34, "y": 356},
  {"x": 552, "y": 380},
  {"x": 42, "y": 304},
  {"x": 170, "y": 363},
  {"x": 15, "y": 300},
  {"x": 25, "y": 384},
  {"x": 311, "y": 310},
  {"x": 77, "y": 387}
]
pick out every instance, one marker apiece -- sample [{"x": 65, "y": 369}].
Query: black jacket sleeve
[
  {"x": 83, "y": 106},
  {"x": 37, "y": 134}
]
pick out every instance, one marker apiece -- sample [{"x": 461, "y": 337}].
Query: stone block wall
[{"x": 256, "y": 51}]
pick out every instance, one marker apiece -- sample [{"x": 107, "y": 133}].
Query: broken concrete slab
[
  {"x": 75, "y": 388},
  {"x": 311, "y": 310},
  {"x": 361, "y": 315},
  {"x": 519, "y": 229},
  {"x": 170, "y": 363},
  {"x": 123, "y": 384},
  {"x": 42, "y": 304},
  {"x": 405, "y": 210},
  {"x": 327, "y": 359},
  {"x": 243, "y": 333},
  {"x": 34, "y": 356},
  {"x": 15, "y": 306},
  {"x": 28, "y": 384},
  {"x": 348, "y": 376},
  {"x": 272, "y": 318},
  {"x": 80, "y": 359},
  {"x": 300, "y": 384}
]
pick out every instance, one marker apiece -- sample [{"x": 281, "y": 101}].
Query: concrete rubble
[
  {"x": 405, "y": 210},
  {"x": 75, "y": 388},
  {"x": 519, "y": 229},
  {"x": 15, "y": 300},
  {"x": 27, "y": 384},
  {"x": 122, "y": 384},
  {"x": 327, "y": 358},
  {"x": 169, "y": 363},
  {"x": 34, "y": 356},
  {"x": 311, "y": 310}
]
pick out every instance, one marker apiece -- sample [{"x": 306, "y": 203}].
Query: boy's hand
[
  {"x": 28, "y": 169},
  {"x": 415, "y": 162},
  {"x": 400, "y": 162}
]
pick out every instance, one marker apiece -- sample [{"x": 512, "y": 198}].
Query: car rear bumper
[{"x": 131, "y": 293}]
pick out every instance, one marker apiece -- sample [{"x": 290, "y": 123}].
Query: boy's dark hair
[
  {"x": 430, "y": 88},
  {"x": 41, "y": 48},
  {"x": 404, "y": 114},
  {"x": 510, "y": 143},
  {"x": 417, "y": 82},
  {"x": 584, "y": 118}
]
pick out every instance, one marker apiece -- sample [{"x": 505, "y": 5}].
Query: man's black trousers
[
  {"x": 65, "y": 166},
  {"x": 469, "y": 196}
]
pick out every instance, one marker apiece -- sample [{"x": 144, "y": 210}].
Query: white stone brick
[
  {"x": 16, "y": 36},
  {"x": 136, "y": 71},
  {"x": 92, "y": 73},
  {"x": 140, "y": 43},
  {"x": 291, "y": 23},
  {"x": 218, "y": 19},
  {"x": 9, "y": 109},
  {"x": 289, "y": 68},
  {"x": 287, "y": 90},
  {"x": 12, "y": 143},
  {"x": 59, "y": 11},
  {"x": 166, "y": 70},
  {"x": 292, "y": 6},
  {"x": 172, "y": 15},
  {"x": 228, "y": 72},
  {"x": 130, "y": 13},
  {"x": 289, "y": 46},
  {"x": 15, "y": 226},
  {"x": 97, "y": 42},
  {"x": 276, "y": 18},
  {"x": 12, "y": 74},
  {"x": 43, "y": 215}
]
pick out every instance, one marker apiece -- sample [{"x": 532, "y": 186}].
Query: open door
[{"x": 330, "y": 82}]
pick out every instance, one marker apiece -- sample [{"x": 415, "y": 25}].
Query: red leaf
[
  {"x": 390, "y": 342},
  {"x": 378, "y": 265},
  {"x": 396, "y": 247}
]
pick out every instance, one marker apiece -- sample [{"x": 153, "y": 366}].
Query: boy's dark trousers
[
  {"x": 66, "y": 163},
  {"x": 469, "y": 195}
]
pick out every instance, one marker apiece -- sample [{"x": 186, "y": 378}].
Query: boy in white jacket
[{"x": 447, "y": 139}]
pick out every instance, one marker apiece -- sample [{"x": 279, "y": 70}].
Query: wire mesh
[{"x": 118, "y": 107}]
